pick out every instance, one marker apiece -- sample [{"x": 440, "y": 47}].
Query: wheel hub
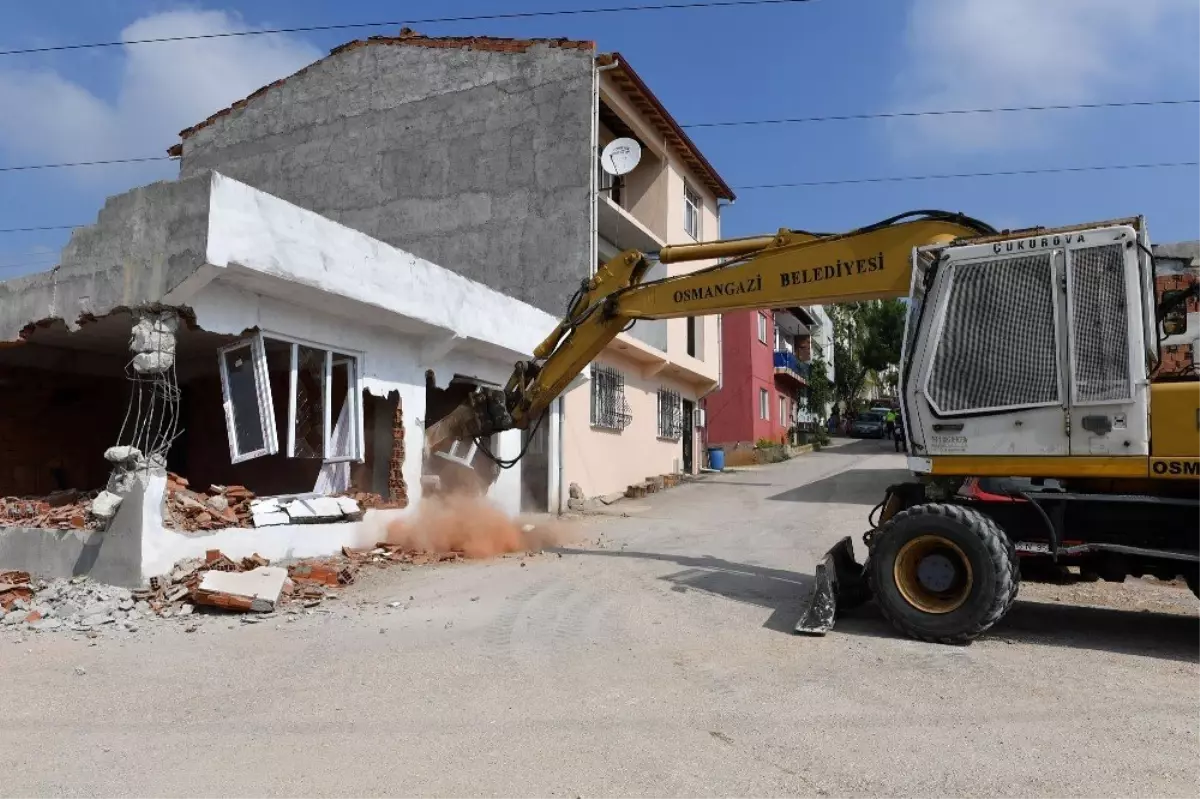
[
  {"x": 936, "y": 573},
  {"x": 933, "y": 574}
]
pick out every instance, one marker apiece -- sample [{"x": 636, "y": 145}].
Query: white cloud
[
  {"x": 990, "y": 53},
  {"x": 162, "y": 89}
]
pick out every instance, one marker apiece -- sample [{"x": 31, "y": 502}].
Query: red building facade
[{"x": 764, "y": 368}]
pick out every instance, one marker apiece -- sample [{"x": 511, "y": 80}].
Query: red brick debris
[
  {"x": 62, "y": 510},
  {"x": 310, "y": 581},
  {"x": 14, "y": 585},
  {"x": 214, "y": 509},
  {"x": 219, "y": 507}
]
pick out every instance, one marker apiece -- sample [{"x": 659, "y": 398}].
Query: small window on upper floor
[
  {"x": 762, "y": 327},
  {"x": 692, "y": 206},
  {"x": 608, "y": 185}
]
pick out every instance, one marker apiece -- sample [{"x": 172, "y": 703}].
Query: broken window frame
[
  {"x": 333, "y": 357},
  {"x": 262, "y": 386},
  {"x": 353, "y": 396}
]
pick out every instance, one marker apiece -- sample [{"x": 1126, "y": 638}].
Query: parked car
[{"x": 869, "y": 424}]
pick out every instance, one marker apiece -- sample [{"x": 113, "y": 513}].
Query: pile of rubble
[
  {"x": 368, "y": 500},
  {"x": 214, "y": 509},
  {"x": 77, "y": 604},
  {"x": 236, "y": 506},
  {"x": 218, "y": 582},
  {"x": 61, "y": 510}
]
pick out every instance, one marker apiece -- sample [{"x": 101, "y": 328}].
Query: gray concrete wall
[
  {"x": 145, "y": 242},
  {"x": 477, "y": 161},
  {"x": 113, "y": 556}
]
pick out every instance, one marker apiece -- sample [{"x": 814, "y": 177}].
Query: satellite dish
[{"x": 620, "y": 156}]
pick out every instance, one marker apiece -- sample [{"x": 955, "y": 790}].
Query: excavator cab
[{"x": 1032, "y": 347}]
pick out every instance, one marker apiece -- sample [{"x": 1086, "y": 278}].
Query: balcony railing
[{"x": 786, "y": 363}]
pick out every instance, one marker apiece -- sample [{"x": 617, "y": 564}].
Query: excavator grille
[
  {"x": 997, "y": 345},
  {"x": 1099, "y": 323}
]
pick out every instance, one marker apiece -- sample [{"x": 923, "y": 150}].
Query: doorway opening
[{"x": 689, "y": 434}]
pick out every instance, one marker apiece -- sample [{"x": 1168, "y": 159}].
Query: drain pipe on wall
[{"x": 563, "y": 491}]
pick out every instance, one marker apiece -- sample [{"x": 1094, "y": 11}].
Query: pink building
[{"x": 765, "y": 359}]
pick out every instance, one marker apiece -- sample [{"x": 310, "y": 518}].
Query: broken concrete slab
[
  {"x": 155, "y": 332},
  {"x": 127, "y": 456},
  {"x": 105, "y": 505},
  {"x": 270, "y": 518},
  {"x": 153, "y": 362},
  {"x": 350, "y": 508},
  {"x": 314, "y": 510},
  {"x": 266, "y": 505},
  {"x": 256, "y": 591}
]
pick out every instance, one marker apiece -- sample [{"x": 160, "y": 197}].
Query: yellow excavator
[{"x": 1044, "y": 441}]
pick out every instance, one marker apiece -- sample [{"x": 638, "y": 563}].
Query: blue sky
[{"x": 806, "y": 59}]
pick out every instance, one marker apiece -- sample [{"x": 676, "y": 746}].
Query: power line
[
  {"x": 953, "y": 175},
  {"x": 41, "y": 266},
  {"x": 730, "y": 123},
  {"x": 38, "y": 228},
  {"x": 850, "y": 181},
  {"x": 30, "y": 167},
  {"x": 428, "y": 21},
  {"x": 950, "y": 112}
]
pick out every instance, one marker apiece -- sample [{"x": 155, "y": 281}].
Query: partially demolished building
[{"x": 212, "y": 367}]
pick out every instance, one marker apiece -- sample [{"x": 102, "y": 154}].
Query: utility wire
[
  {"x": 731, "y": 123},
  {"x": 852, "y": 181},
  {"x": 953, "y": 175},
  {"x": 40, "y": 268},
  {"x": 566, "y": 12},
  {"x": 951, "y": 112},
  {"x": 70, "y": 164},
  {"x": 38, "y": 228}
]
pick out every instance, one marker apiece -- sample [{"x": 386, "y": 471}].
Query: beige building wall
[{"x": 603, "y": 461}]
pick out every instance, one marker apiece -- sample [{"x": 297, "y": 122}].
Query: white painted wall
[
  {"x": 274, "y": 238},
  {"x": 284, "y": 270},
  {"x": 162, "y": 548}
]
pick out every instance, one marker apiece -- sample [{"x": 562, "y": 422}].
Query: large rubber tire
[
  {"x": 992, "y": 558},
  {"x": 1193, "y": 582}
]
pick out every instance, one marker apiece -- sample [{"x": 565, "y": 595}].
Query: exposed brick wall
[
  {"x": 1165, "y": 283},
  {"x": 1177, "y": 357},
  {"x": 397, "y": 488},
  {"x": 54, "y": 429}
]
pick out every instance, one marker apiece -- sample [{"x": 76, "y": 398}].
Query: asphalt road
[{"x": 654, "y": 657}]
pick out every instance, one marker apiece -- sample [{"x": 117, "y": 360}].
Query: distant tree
[
  {"x": 867, "y": 338},
  {"x": 821, "y": 391},
  {"x": 883, "y": 325}
]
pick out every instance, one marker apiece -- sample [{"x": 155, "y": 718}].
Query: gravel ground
[{"x": 652, "y": 657}]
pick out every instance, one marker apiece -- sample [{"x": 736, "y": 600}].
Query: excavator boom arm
[{"x": 790, "y": 268}]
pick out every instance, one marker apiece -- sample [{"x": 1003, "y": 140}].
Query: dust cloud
[{"x": 472, "y": 526}]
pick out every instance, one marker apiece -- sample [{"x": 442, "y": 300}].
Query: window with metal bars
[
  {"x": 609, "y": 407},
  {"x": 670, "y": 414}
]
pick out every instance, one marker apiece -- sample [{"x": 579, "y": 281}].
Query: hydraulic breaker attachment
[
  {"x": 481, "y": 413},
  {"x": 839, "y": 583}
]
